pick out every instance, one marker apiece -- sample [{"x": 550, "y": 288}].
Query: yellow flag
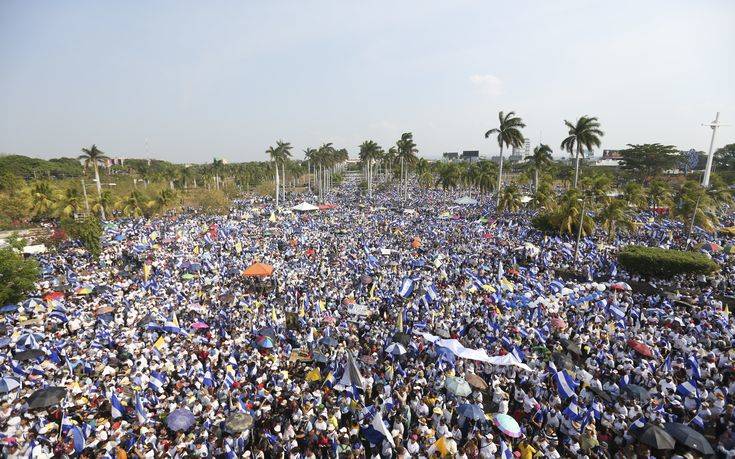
[
  {"x": 314, "y": 375},
  {"x": 302, "y": 313},
  {"x": 273, "y": 314},
  {"x": 238, "y": 247},
  {"x": 372, "y": 291},
  {"x": 146, "y": 271},
  {"x": 196, "y": 250},
  {"x": 441, "y": 446},
  {"x": 272, "y": 218},
  {"x": 160, "y": 342}
]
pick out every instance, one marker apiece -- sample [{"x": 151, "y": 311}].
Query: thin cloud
[{"x": 489, "y": 85}]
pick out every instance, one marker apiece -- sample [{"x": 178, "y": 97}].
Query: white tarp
[
  {"x": 34, "y": 249},
  {"x": 304, "y": 207},
  {"x": 466, "y": 201},
  {"x": 474, "y": 354}
]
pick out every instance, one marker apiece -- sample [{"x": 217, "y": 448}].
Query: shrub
[
  {"x": 87, "y": 231},
  {"x": 664, "y": 263},
  {"x": 17, "y": 275}
]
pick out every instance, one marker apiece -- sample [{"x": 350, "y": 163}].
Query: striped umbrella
[{"x": 7, "y": 384}]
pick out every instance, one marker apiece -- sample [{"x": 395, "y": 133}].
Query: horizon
[{"x": 185, "y": 82}]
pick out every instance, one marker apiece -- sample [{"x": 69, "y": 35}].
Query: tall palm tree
[
  {"x": 634, "y": 195},
  {"x": 660, "y": 193},
  {"x": 449, "y": 176},
  {"x": 567, "y": 215},
  {"x": 510, "y": 199},
  {"x": 285, "y": 155},
  {"x": 696, "y": 206},
  {"x": 217, "y": 167},
  {"x": 485, "y": 176},
  {"x": 389, "y": 159},
  {"x": 406, "y": 155},
  {"x": 541, "y": 159},
  {"x": 133, "y": 204},
  {"x": 43, "y": 199},
  {"x": 369, "y": 152},
  {"x": 104, "y": 202},
  {"x": 324, "y": 158},
  {"x": 309, "y": 154},
  {"x": 95, "y": 157},
  {"x": 508, "y": 135},
  {"x": 69, "y": 202},
  {"x": 585, "y": 133},
  {"x": 615, "y": 215},
  {"x": 275, "y": 155},
  {"x": 542, "y": 197}
]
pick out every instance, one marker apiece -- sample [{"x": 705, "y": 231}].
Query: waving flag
[
  {"x": 140, "y": 412},
  {"x": 688, "y": 389},
  {"x": 565, "y": 384},
  {"x": 172, "y": 325},
  {"x": 505, "y": 452},
  {"x": 116, "y": 408},
  {"x": 157, "y": 381},
  {"x": 693, "y": 365},
  {"x": 379, "y": 425},
  {"x": 407, "y": 286}
]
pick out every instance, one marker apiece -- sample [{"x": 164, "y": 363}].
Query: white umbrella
[
  {"x": 304, "y": 207},
  {"x": 395, "y": 349}
]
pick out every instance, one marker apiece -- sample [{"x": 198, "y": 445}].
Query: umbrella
[
  {"x": 558, "y": 323},
  {"x": 264, "y": 342},
  {"x": 7, "y": 384},
  {"x": 9, "y": 308},
  {"x": 471, "y": 411},
  {"x": 365, "y": 279},
  {"x": 53, "y": 296},
  {"x": 199, "y": 325},
  {"x": 475, "y": 381},
  {"x": 620, "y": 286},
  {"x": 239, "y": 422},
  {"x": 267, "y": 331},
  {"x": 180, "y": 419},
  {"x": 640, "y": 348},
  {"x": 44, "y": 398},
  {"x": 602, "y": 394},
  {"x": 458, "y": 386},
  {"x": 636, "y": 391},
  {"x": 395, "y": 349},
  {"x": 329, "y": 319},
  {"x": 320, "y": 358},
  {"x": 258, "y": 270},
  {"x": 507, "y": 425},
  {"x": 29, "y": 340},
  {"x": 655, "y": 437},
  {"x": 83, "y": 291},
  {"x": 188, "y": 276},
  {"x": 29, "y": 354},
  {"x": 571, "y": 346},
  {"x": 103, "y": 310},
  {"x": 709, "y": 247},
  {"x": 403, "y": 338},
  {"x": 689, "y": 437},
  {"x": 328, "y": 341}
]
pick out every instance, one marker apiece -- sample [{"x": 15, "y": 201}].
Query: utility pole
[
  {"x": 713, "y": 125},
  {"x": 86, "y": 201}
]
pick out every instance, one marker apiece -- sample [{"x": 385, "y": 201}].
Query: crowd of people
[{"x": 392, "y": 328}]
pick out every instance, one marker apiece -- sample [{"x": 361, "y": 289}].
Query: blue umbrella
[
  {"x": 471, "y": 411},
  {"x": 31, "y": 303},
  {"x": 7, "y": 384},
  {"x": 180, "y": 419},
  {"x": 9, "y": 308}
]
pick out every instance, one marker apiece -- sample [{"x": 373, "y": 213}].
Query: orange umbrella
[
  {"x": 258, "y": 270},
  {"x": 416, "y": 243}
]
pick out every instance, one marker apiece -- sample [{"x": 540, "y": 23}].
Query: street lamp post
[
  {"x": 713, "y": 125},
  {"x": 579, "y": 230}
]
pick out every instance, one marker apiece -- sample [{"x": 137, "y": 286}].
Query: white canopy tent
[
  {"x": 466, "y": 201},
  {"x": 304, "y": 207}
]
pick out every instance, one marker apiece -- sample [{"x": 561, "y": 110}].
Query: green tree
[
  {"x": 695, "y": 203},
  {"x": 649, "y": 160},
  {"x": 508, "y": 135},
  {"x": 635, "y": 195},
  {"x": 510, "y": 199},
  {"x": 17, "y": 275},
  {"x": 69, "y": 203},
  {"x": 485, "y": 176},
  {"x": 725, "y": 157},
  {"x": 43, "y": 202},
  {"x": 87, "y": 231},
  {"x": 449, "y": 176},
  {"x": 369, "y": 153},
  {"x": 542, "y": 197},
  {"x": 660, "y": 193},
  {"x": 541, "y": 159},
  {"x": 406, "y": 156},
  {"x": 95, "y": 157},
  {"x": 615, "y": 215},
  {"x": 585, "y": 133}
]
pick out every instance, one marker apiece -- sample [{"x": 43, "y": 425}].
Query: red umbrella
[
  {"x": 199, "y": 325},
  {"x": 558, "y": 323},
  {"x": 53, "y": 296},
  {"x": 642, "y": 349}
]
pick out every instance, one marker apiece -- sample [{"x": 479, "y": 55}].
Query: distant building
[
  {"x": 450, "y": 156},
  {"x": 522, "y": 151},
  {"x": 610, "y": 158},
  {"x": 471, "y": 156}
]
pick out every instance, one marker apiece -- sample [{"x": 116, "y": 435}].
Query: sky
[{"x": 187, "y": 81}]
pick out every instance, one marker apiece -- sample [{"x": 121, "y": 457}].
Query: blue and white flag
[
  {"x": 505, "y": 452},
  {"x": 140, "y": 412},
  {"x": 172, "y": 325},
  {"x": 565, "y": 384},
  {"x": 229, "y": 380},
  {"x": 79, "y": 439},
  {"x": 407, "y": 285},
  {"x": 156, "y": 382},
  {"x": 208, "y": 381},
  {"x": 116, "y": 408},
  {"x": 639, "y": 423},
  {"x": 573, "y": 412},
  {"x": 431, "y": 293},
  {"x": 624, "y": 381},
  {"x": 615, "y": 311},
  {"x": 688, "y": 389},
  {"x": 597, "y": 409},
  {"x": 693, "y": 365},
  {"x": 698, "y": 421},
  {"x": 556, "y": 286}
]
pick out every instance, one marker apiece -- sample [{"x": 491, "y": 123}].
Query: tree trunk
[
  {"x": 535, "y": 179},
  {"x": 500, "y": 177},
  {"x": 400, "y": 183},
  {"x": 576, "y": 168},
  {"x": 278, "y": 183}
]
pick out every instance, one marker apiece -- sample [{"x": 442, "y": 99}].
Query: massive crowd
[{"x": 398, "y": 328}]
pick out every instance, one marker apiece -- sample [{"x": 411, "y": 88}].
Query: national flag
[
  {"x": 505, "y": 451},
  {"x": 229, "y": 380},
  {"x": 116, "y": 408},
  {"x": 693, "y": 365},
  {"x": 140, "y": 412},
  {"x": 573, "y": 411},
  {"x": 624, "y": 381},
  {"x": 378, "y": 424},
  {"x": 160, "y": 342},
  {"x": 407, "y": 286},
  {"x": 78, "y": 438},
  {"x": 688, "y": 389},
  {"x": 156, "y": 381},
  {"x": 698, "y": 421},
  {"x": 565, "y": 384},
  {"x": 208, "y": 381},
  {"x": 615, "y": 311},
  {"x": 172, "y": 325}
]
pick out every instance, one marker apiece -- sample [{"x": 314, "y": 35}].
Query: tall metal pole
[
  {"x": 579, "y": 230},
  {"x": 86, "y": 201},
  {"x": 694, "y": 215},
  {"x": 713, "y": 125}
]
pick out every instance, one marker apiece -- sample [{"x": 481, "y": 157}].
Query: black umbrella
[
  {"x": 49, "y": 396},
  {"x": 30, "y": 354},
  {"x": 403, "y": 338},
  {"x": 320, "y": 358},
  {"x": 655, "y": 437},
  {"x": 328, "y": 341},
  {"x": 602, "y": 394},
  {"x": 639, "y": 392},
  {"x": 267, "y": 331},
  {"x": 562, "y": 360},
  {"x": 689, "y": 437},
  {"x": 571, "y": 346}
]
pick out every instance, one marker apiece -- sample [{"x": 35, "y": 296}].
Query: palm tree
[
  {"x": 660, "y": 193},
  {"x": 449, "y": 176},
  {"x": 540, "y": 159},
  {"x": 542, "y": 197},
  {"x": 486, "y": 173},
  {"x": 597, "y": 187},
  {"x": 585, "y": 133},
  {"x": 95, "y": 157},
  {"x": 133, "y": 204},
  {"x": 309, "y": 154},
  {"x": 567, "y": 216},
  {"x": 510, "y": 199},
  {"x": 634, "y": 195},
  {"x": 508, "y": 135},
  {"x": 285, "y": 155},
  {"x": 277, "y": 156},
  {"x": 696, "y": 206},
  {"x": 69, "y": 202},
  {"x": 369, "y": 152},
  {"x": 406, "y": 155},
  {"x": 324, "y": 158},
  {"x": 615, "y": 215},
  {"x": 43, "y": 199},
  {"x": 389, "y": 159},
  {"x": 104, "y": 202}
]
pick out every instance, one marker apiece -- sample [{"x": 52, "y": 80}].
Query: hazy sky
[{"x": 202, "y": 79}]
